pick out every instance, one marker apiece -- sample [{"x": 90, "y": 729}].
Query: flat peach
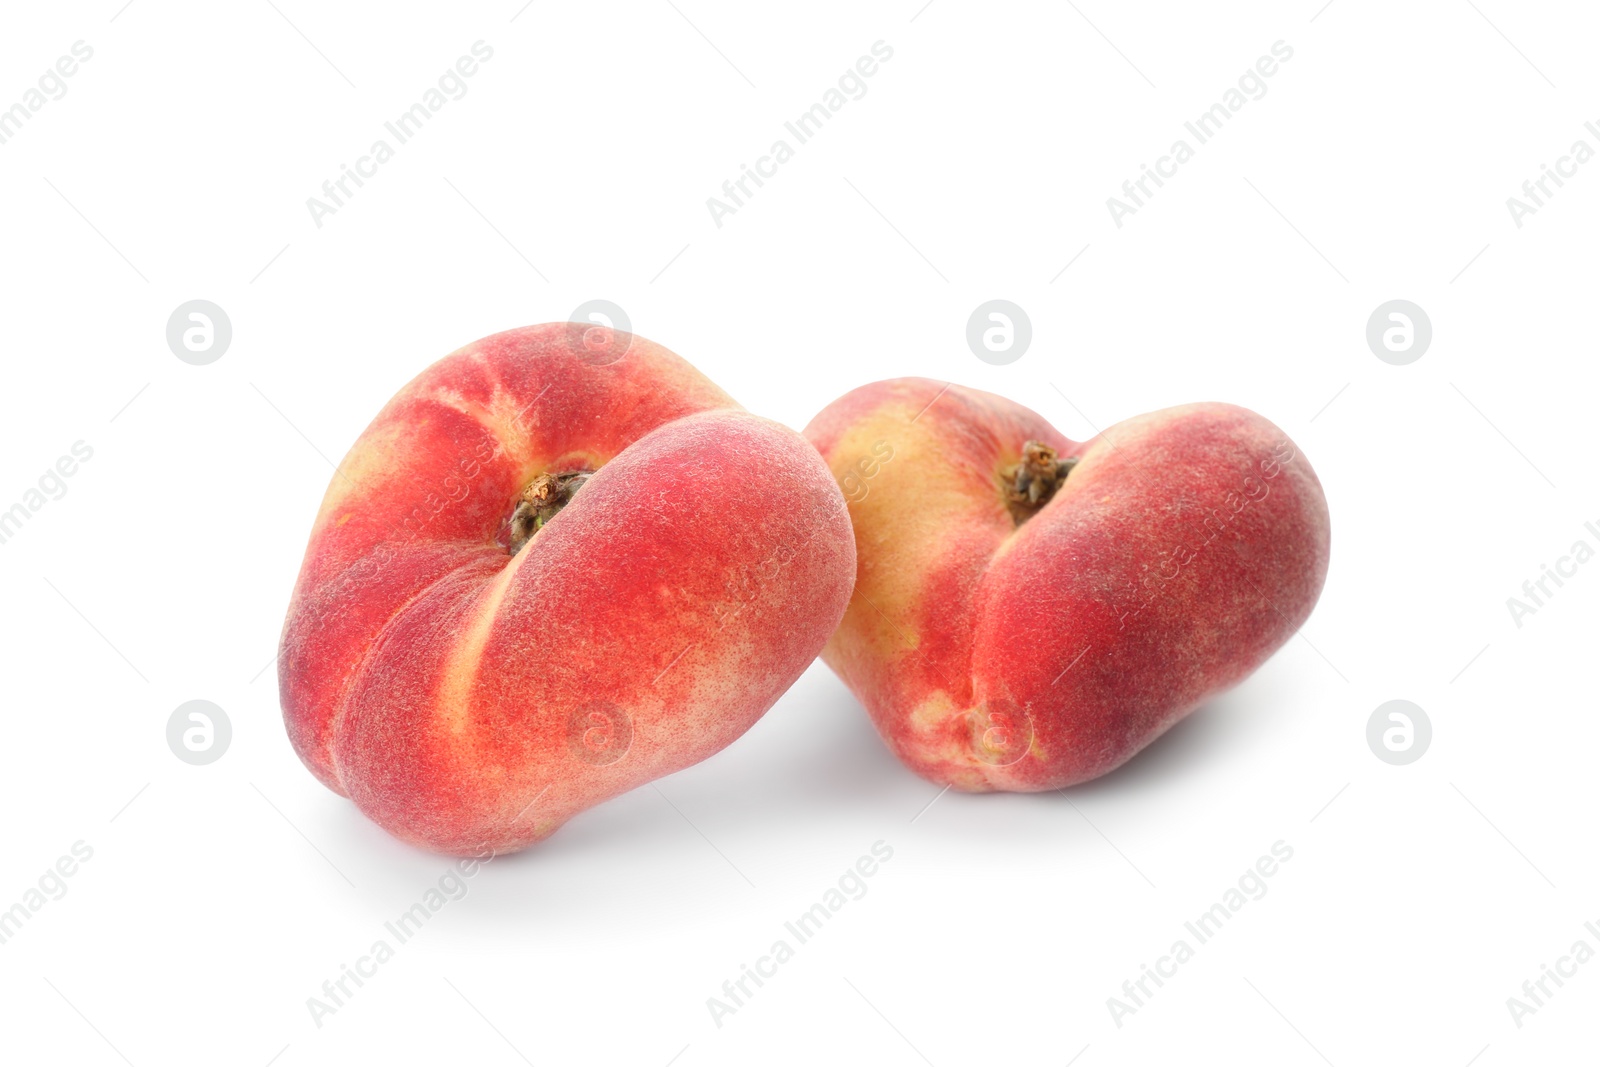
[
  {"x": 1031, "y": 611},
  {"x": 558, "y": 565}
]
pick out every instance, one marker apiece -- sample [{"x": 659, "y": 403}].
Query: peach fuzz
[
  {"x": 559, "y": 564},
  {"x": 1029, "y": 621}
]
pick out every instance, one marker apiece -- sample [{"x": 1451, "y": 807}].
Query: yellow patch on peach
[
  {"x": 932, "y": 717},
  {"x": 455, "y": 687},
  {"x": 366, "y": 465},
  {"x": 890, "y": 588},
  {"x": 506, "y": 420},
  {"x": 933, "y": 722}
]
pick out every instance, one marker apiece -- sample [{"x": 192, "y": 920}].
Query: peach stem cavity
[
  {"x": 1029, "y": 484},
  {"x": 540, "y": 502}
]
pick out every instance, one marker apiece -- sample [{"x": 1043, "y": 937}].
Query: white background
[{"x": 219, "y": 898}]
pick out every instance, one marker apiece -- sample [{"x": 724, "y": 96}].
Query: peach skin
[
  {"x": 1031, "y": 611},
  {"x": 559, "y": 564}
]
